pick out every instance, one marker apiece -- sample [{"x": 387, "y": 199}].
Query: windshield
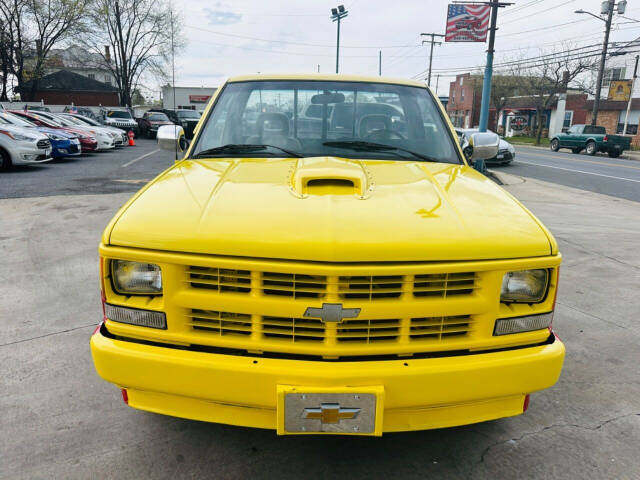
[
  {"x": 188, "y": 114},
  {"x": 158, "y": 117},
  {"x": 327, "y": 118},
  {"x": 66, "y": 120},
  {"x": 15, "y": 120},
  {"x": 46, "y": 120},
  {"x": 87, "y": 120},
  {"x": 118, "y": 114}
]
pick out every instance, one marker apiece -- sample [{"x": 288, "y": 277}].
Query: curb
[{"x": 626, "y": 156}]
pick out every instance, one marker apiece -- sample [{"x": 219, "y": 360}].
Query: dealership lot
[{"x": 61, "y": 421}]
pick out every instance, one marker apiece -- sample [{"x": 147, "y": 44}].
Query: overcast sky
[{"x": 228, "y": 38}]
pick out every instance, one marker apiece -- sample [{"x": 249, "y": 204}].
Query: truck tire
[
  {"x": 591, "y": 148},
  {"x": 614, "y": 153},
  {"x": 5, "y": 160},
  {"x": 555, "y": 145}
]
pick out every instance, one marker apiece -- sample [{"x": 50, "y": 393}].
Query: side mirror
[
  {"x": 171, "y": 137},
  {"x": 482, "y": 146}
]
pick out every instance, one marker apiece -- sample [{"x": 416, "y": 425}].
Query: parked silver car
[{"x": 20, "y": 146}]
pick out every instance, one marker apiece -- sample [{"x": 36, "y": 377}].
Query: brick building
[
  {"x": 611, "y": 115},
  {"x": 64, "y": 88},
  {"x": 465, "y": 97}
]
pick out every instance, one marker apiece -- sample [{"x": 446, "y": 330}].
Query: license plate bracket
[{"x": 340, "y": 410}]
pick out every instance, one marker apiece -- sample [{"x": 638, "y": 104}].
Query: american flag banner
[{"x": 467, "y": 22}]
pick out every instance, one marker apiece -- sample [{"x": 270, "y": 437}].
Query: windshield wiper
[
  {"x": 364, "y": 146},
  {"x": 241, "y": 148}
]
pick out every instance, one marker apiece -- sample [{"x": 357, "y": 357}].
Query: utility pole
[
  {"x": 379, "y": 62},
  {"x": 437, "y": 83},
  {"x": 338, "y": 14},
  {"x": 488, "y": 69},
  {"x": 605, "y": 45},
  {"x": 606, "y": 8},
  {"x": 633, "y": 83},
  {"x": 432, "y": 42}
]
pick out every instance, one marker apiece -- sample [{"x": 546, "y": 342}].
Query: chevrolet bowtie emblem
[
  {"x": 331, "y": 312},
  {"x": 330, "y": 413}
]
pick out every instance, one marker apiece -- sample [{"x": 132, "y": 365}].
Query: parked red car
[{"x": 87, "y": 142}]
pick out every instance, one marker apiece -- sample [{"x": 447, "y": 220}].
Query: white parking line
[
  {"x": 140, "y": 158},
  {"x": 578, "y": 171}
]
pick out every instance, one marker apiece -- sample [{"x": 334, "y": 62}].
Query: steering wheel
[{"x": 384, "y": 134}]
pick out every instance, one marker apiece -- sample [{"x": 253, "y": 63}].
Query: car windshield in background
[
  {"x": 15, "y": 120},
  {"x": 118, "y": 114},
  {"x": 158, "y": 117},
  {"x": 186, "y": 114},
  {"x": 327, "y": 118},
  {"x": 46, "y": 120}
]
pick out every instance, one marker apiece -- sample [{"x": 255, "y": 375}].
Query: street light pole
[
  {"x": 338, "y": 14},
  {"x": 605, "y": 45},
  {"x": 609, "y": 5}
]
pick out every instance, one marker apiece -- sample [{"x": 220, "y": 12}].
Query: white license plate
[{"x": 500, "y": 156}]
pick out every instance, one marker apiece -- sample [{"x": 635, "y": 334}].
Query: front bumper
[
  {"x": 29, "y": 154},
  {"x": 242, "y": 390}
]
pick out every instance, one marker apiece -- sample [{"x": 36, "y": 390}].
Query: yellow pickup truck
[{"x": 324, "y": 259}]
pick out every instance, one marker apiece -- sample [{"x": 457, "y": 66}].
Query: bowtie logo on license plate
[
  {"x": 330, "y": 413},
  {"x": 331, "y": 312}
]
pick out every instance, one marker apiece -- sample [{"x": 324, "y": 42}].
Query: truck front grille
[
  {"x": 366, "y": 331},
  {"x": 295, "y": 285}
]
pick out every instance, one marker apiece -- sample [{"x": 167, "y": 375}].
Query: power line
[
  {"x": 538, "y": 13},
  {"x": 246, "y": 37}
]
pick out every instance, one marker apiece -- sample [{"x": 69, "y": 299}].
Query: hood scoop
[{"x": 330, "y": 176}]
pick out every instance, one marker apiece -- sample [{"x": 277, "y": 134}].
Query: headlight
[
  {"x": 18, "y": 136},
  {"x": 131, "y": 278},
  {"x": 53, "y": 136},
  {"x": 511, "y": 148},
  {"x": 524, "y": 286}
]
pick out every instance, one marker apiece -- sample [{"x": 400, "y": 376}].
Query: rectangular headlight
[
  {"x": 524, "y": 286},
  {"x": 505, "y": 326},
  {"x": 136, "y": 278},
  {"x": 134, "y": 316}
]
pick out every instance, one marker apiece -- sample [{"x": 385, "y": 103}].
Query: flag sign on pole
[{"x": 467, "y": 22}]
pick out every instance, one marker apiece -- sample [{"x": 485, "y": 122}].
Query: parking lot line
[
  {"x": 141, "y": 157},
  {"x": 579, "y": 171}
]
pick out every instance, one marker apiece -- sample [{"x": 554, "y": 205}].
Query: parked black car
[{"x": 187, "y": 119}]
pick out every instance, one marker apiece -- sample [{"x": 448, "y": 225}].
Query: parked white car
[
  {"x": 104, "y": 139},
  {"x": 119, "y": 118},
  {"x": 123, "y": 138},
  {"x": 20, "y": 146}
]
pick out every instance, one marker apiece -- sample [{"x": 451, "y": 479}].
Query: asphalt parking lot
[{"x": 60, "y": 420}]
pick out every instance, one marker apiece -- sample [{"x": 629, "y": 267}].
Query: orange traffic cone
[{"x": 131, "y": 142}]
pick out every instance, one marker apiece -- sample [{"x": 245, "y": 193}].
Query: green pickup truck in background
[{"x": 591, "y": 139}]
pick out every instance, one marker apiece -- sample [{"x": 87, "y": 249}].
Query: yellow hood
[{"x": 329, "y": 209}]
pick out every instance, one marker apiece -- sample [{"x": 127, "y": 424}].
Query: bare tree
[
  {"x": 502, "y": 87},
  {"x": 547, "y": 76},
  {"x": 52, "y": 21},
  {"x": 13, "y": 41},
  {"x": 138, "y": 34}
]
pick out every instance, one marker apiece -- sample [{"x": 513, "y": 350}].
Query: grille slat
[{"x": 376, "y": 287}]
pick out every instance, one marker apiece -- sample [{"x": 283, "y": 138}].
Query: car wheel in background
[
  {"x": 590, "y": 148},
  {"x": 614, "y": 153},
  {"x": 576, "y": 150},
  {"x": 5, "y": 160},
  {"x": 555, "y": 145}
]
